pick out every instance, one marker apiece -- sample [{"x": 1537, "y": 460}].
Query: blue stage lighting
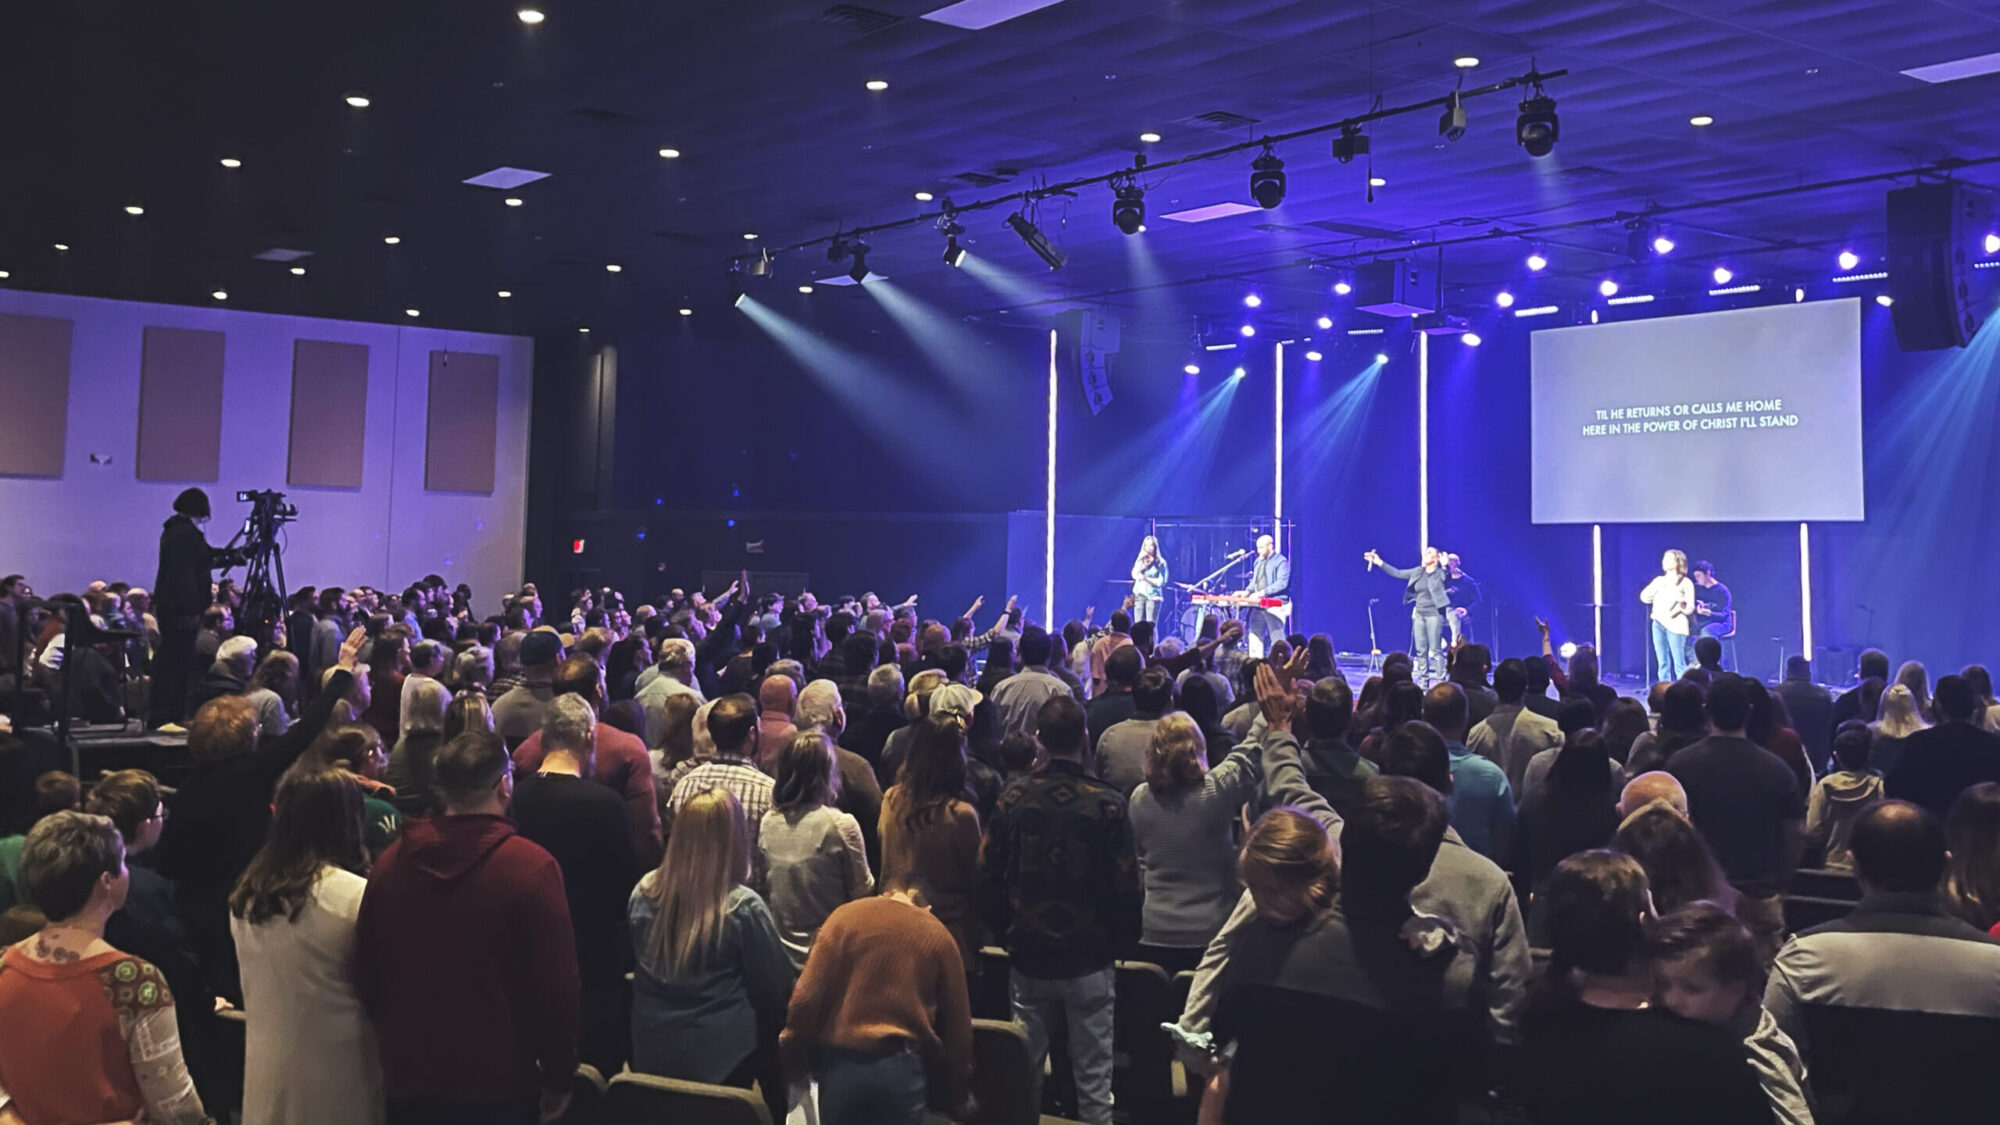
[
  {"x": 1252, "y": 301},
  {"x": 1247, "y": 331}
]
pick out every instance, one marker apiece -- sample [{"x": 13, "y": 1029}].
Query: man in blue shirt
[
  {"x": 1270, "y": 578},
  {"x": 1424, "y": 592},
  {"x": 1482, "y": 806}
]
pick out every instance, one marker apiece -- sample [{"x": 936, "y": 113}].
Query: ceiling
[{"x": 122, "y": 105}]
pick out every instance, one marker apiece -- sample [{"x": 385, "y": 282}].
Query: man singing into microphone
[
  {"x": 1424, "y": 592},
  {"x": 1270, "y": 578}
]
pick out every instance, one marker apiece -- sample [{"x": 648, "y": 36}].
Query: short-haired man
[
  {"x": 1470, "y": 665},
  {"x": 621, "y": 762},
  {"x": 1270, "y": 580},
  {"x": 228, "y": 674},
  {"x": 1482, "y": 805},
  {"x": 585, "y": 828},
  {"x": 1939, "y": 763},
  {"x": 1059, "y": 885},
  {"x": 1121, "y": 751},
  {"x": 671, "y": 675},
  {"x": 869, "y": 731},
  {"x": 1512, "y": 735},
  {"x": 1891, "y": 1005},
  {"x": 464, "y": 956},
  {"x": 1116, "y": 637},
  {"x": 1112, "y": 703},
  {"x": 1811, "y": 709},
  {"x": 1538, "y": 698},
  {"x": 1018, "y": 699},
  {"x": 1332, "y": 767},
  {"x": 732, "y": 724},
  {"x": 1748, "y": 807},
  {"x": 1873, "y": 665},
  {"x": 520, "y": 712},
  {"x": 1657, "y": 785},
  {"x": 1714, "y": 607}
]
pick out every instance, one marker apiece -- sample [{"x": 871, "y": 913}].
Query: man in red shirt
[
  {"x": 622, "y": 762},
  {"x": 465, "y": 958}
]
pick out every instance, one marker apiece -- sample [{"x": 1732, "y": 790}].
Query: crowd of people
[{"x": 437, "y": 860}]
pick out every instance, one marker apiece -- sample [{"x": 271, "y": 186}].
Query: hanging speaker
[{"x": 1930, "y": 270}]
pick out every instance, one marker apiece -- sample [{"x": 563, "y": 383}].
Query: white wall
[{"x": 99, "y": 521}]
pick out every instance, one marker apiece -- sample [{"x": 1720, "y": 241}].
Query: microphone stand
[{"x": 1374, "y": 648}]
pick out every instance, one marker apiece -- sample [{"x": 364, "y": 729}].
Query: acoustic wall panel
[
  {"x": 329, "y": 414},
  {"x": 34, "y": 383},
  {"x": 180, "y": 405},
  {"x": 461, "y": 422}
]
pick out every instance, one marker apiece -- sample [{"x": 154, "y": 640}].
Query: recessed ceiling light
[
  {"x": 1324, "y": 322},
  {"x": 298, "y": 271},
  {"x": 220, "y": 294},
  {"x": 1607, "y": 287},
  {"x": 530, "y": 16},
  {"x": 1377, "y": 181},
  {"x": 1848, "y": 259},
  {"x": 391, "y": 240},
  {"x": 1342, "y": 288},
  {"x": 4, "y": 275},
  {"x": 358, "y": 101},
  {"x": 670, "y": 153},
  {"x": 1465, "y": 62},
  {"x": 805, "y": 288},
  {"x": 513, "y": 201},
  {"x": 876, "y": 85},
  {"x": 749, "y": 237},
  {"x": 584, "y": 330},
  {"x": 1149, "y": 138},
  {"x": 687, "y": 312},
  {"x": 1701, "y": 120},
  {"x": 134, "y": 209},
  {"x": 504, "y": 294},
  {"x": 613, "y": 267},
  {"x": 62, "y": 246},
  {"x": 925, "y": 197},
  {"x": 231, "y": 162},
  {"x": 1884, "y": 300},
  {"x": 410, "y": 312},
  {"x": 1314, "y": 357}
]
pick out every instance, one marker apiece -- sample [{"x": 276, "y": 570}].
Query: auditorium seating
[
  {"x": 586, "y": 1097},
  {"x": 646, "y": 1099},
  {"x": 1003, "y": 1077}
]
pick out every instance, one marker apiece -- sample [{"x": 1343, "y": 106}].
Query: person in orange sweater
[{"x": 880, "y": 1017}]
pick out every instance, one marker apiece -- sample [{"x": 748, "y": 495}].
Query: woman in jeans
[
  {"x": 881, "y": 1015},
  {"x": 1671, "y": 594}
]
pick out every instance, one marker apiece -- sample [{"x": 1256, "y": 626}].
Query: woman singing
[
  {"x": 1149, "y": 580},
  {"x": 1671, "y": 595}
]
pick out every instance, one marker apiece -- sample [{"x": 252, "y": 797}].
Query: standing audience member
[
  {"x": 229, "y": 674},
  {"x": 1896, "y": 720},
  {"x": 221, "y": 813},
  {"x": 1059, "y": 886},
  {"x": 465, "y": 958},
  {"x": 1574, "y": 810},
  {"x": 87, "y": 1032},
  {"x": 1770, "y": 727},
  {"x": 420, "y": 732},
  {"x": 1332, "y": 768},
  {"x": 621, "y": 762},
  {"x": 1938, "y": 764},
  {"x": 274, "y": 688},
  {"x": 1888, "y": 1002},
  {"x": 880, "y": 1016},
  {"x": 1018, "y": 699},
  {"x": 732, "y": 728},
  {"x": 1913, "y": 676},
  {"x": 860, "y": 795},
  {"x": 1972, "y": 839},
  {"x": 1184, "y": 817},
  {"x": 1113, "y": 704},
  {"x": 1810, "y": 707},
  {"x": 1593, "y": 1038},
  {"x": 870, "y": 730},
  {"x": 1482, "y": 805},
  {"x": 1679, "y": 867},
  {"x": 712, "y": 969},
  {"x": 357, "y": 748},
  {"x": 1511, "y": 734},
  {"x": 584, "y": 826},
  {"x": 1749, "y": 808},
  {"x": 1122, "y": 750},
  {"x": 930, "y": 831},
  {"x": 1873, "y": 664},
  {"x": 777, "y": 699},
  {"x": 518, "y": 712},
  {"x": 1683, "y": 722},
  {"x": 388, "y": 667},
  {"x": 814, "y": 856},
  {"x": 310, "y": 1052},
  {"x": 1840, "y": 796}
]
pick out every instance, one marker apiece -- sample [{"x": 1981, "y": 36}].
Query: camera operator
[{"x": 181, "y": 594}]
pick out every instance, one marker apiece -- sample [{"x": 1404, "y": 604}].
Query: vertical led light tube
[
  {"x": 1278, "y": 441},
  {"x": 1423, "y": 440},
  {"x": 1805, "y": 590},
  {"x": 1049, "y": 504},
  {"x": 1597, "y": 590}
]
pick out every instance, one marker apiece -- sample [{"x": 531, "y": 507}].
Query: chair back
[
  {"x": 1004, "y": 1082},
  {"x": 648, "y": 1099},
  {"x": 586, "y": 1097},
  {"x": 1142, "y": 1075}
]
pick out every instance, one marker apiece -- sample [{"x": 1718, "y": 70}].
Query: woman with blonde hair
[
  {"x": 1898, "y": 719},
  {"x": 468, "y": 711},
  {"x": 1183, "y": 828},
  {"x": 1149, "y": 580},
  {"x": 1913, "y": 676},
  {"x": 1671, "y": 594},
  {"x": 1972, "y": 841},
  {"x": 712, "y": 968}
]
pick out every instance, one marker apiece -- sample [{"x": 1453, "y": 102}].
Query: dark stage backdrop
[{"x": 874, "y": 456}]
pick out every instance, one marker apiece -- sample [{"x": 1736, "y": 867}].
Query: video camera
[{"x": 256, "y": 547}]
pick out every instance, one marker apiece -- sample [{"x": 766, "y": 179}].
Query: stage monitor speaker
[
  {"x": 1396, "y": 287},
  {"x": 1930, "y": 272}
]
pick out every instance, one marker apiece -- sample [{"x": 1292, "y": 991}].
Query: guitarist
[
  {"x": 1270, "y": 578},
  {"x": 1714, "y": 609}
]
